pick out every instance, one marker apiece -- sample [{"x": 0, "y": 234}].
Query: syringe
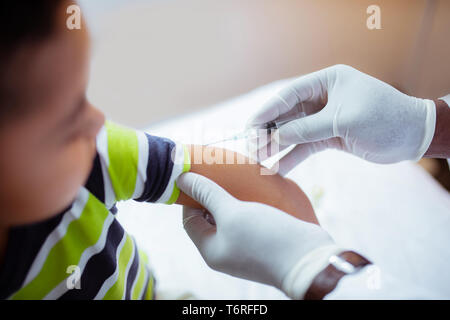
[{"x": 253, "y": 133}]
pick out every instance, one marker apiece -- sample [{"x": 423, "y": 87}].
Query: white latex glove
[
  {"x": 351, "y": 111},
  {"x": 254, "y": 241}
]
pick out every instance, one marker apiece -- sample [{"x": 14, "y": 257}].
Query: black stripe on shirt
[
  {"x": 99, "y": 267},
  {"x": 146, "y": 285},
  {"x": 159, "y": 168},
  {"x": 95, "y": 183},
  {"x": 132, "y": 273}
]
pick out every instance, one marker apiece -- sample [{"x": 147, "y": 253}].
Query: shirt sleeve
[{"x": 135, "y": 165}]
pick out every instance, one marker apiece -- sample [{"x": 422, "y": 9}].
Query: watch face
[
  {"x": 341, "y": 264},
  {"x": 346, "y": 262}
]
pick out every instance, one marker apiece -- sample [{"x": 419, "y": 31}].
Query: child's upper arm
[
  {"x": 243, "y": 179},
  {"x": 136, "y": 165}
]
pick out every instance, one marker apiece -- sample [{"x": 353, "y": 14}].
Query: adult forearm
[{"x": 440, "y": 145}]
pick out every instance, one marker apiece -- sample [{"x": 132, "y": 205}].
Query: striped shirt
[{"x": 83, "y": 252}]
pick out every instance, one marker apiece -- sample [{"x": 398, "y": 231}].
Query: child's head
[{"x": 47, "y": 127}]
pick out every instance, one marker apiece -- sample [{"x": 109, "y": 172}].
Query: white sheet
[{"x": 396, "y": 215}]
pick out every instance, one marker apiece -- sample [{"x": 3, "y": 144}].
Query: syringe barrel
[{"x": 277, "y": 123}]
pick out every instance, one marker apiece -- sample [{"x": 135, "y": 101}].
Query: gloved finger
[
  {"x": 315, "y": 127},
  {"x": 262, "y": 149},
  {"x": 299, "y": 154},
  {"x": 309, "y": 88},
  {"x": 267, "y": 151},
  {"x": 206, "y": 192},
  {"x": 197, "y": 227},
  {"x": 260, "y": 141},
  {"x": 269, "y": 111}
]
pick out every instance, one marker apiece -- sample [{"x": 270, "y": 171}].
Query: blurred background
[
  {"x": 156, "y": 59},
  {"x": 179, "y": 67}
]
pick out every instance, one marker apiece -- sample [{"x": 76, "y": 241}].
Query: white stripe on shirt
[
  {"x": 141, "y": 176},
  {"x": 178, "y": 165}
]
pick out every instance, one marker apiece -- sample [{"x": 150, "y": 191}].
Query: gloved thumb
[
  {"x": 315, "y": 127},
  {"x": 198, "y": 229},
  {"x": 206, "y": 192},
  {"x": 299, "y": 154}
]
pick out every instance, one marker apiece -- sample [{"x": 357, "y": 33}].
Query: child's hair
[{"x": 21, "y": 22}]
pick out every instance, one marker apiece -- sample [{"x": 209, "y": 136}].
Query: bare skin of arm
[{"x": 244, "y": 180}]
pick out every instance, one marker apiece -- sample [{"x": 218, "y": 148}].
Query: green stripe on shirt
[
  {"x": 149, "y": 293},
  {"x": 139, "y": 282},
  {"x": 123, "y": 153}
]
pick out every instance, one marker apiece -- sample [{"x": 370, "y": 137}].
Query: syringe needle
[
  {"x": 238, "y": 136},
  {"x": 269, "y": 128},
  {"x": 216, "y": 142}
]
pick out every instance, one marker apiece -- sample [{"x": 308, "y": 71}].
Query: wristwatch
[{"x": 345, "y": 263}]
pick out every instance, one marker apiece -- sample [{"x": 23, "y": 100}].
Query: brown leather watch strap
[{"x": 328, "y": 278}]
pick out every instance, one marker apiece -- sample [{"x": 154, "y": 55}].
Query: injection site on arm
[{"x": 242, "y": 178}]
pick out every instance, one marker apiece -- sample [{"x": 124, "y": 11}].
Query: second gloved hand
[
  {"x": 351, "y": 111},
  {"x": 252, "y": 240}
]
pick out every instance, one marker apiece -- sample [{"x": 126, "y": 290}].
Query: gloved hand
[
  {"x": 351, "y": 111},
  {"x": 254, "y": 241}
]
